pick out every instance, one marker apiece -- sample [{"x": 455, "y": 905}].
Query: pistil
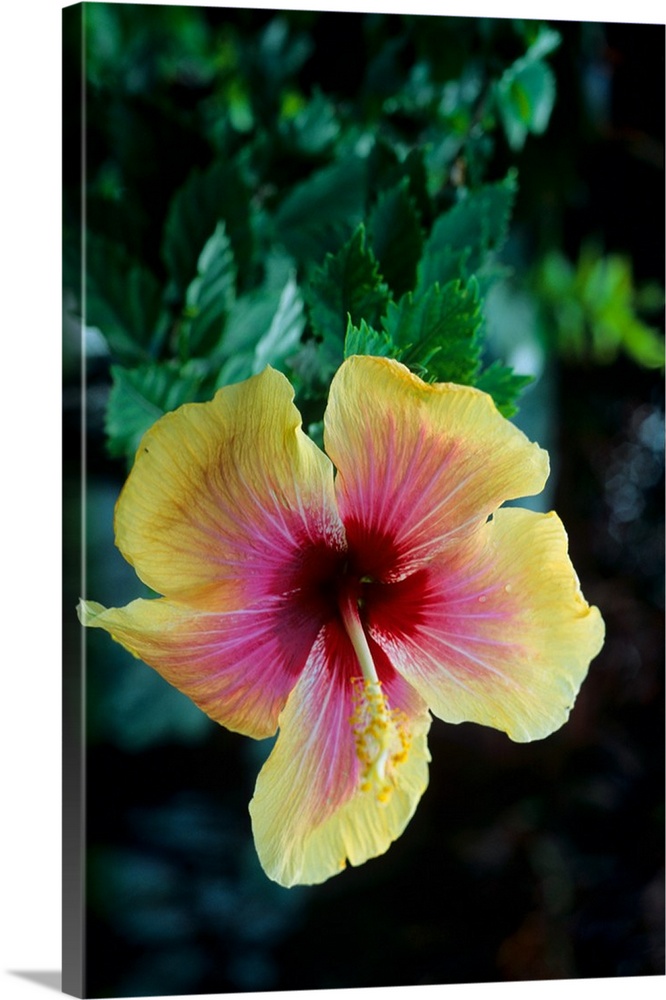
[
  {"x": 354, "y": 628},
  {"x": 381, "y": 735}
]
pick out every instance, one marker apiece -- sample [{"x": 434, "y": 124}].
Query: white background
[{"x": 30, "y": 503}]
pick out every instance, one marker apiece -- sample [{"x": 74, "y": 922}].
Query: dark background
[{"x": 537, "y": 861}]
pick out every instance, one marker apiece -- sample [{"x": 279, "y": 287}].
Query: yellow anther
[{"x": 381, "y": 738}]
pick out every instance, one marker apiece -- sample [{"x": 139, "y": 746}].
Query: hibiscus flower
[{"x": 340, "y": 598}]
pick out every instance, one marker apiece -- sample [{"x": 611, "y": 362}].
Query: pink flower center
[
  {"x": 332, "y": 586},
  {"x": 336, "y": 587}
]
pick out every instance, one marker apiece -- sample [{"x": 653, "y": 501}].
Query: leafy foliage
[
  {"x": 438, "y": 332},
  {"x": 206, "y": 198},
  {"x": 364, "y": 340},
  {"x": 397, "y": 237},
  {"x": 139, "y": 396},
  {"x": 209, "y": 296},
  {"x": 502, "y": 383},
  {"x": 462, "y": 239},
  {"x": 245, "y": 209},
  {"x": 592, "y": 308},
  {"x": 123, "y": 299},
  {"x": 525, "y": 93},
  {"x": 347, "y": 284},
  {"x": 320, "y": 211},
  {"x": 284, "y": 334}
]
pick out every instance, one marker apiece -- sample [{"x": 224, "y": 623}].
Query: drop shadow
[{"x": 52, "y": 980}]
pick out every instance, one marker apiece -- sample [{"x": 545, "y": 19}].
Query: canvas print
[{"x": 363, "y": 466}]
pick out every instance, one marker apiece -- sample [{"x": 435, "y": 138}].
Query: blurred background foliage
[{"x": 482, "y": 198}]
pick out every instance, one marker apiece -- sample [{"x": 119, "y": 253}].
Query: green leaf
[
  {"x": 502, "y": 383},
  {"x": 438, "y": 332},
  {"x": 264, "y": 326},
  {"x": 209, "y": 296},
  {"x": 415, "y": 169},
  {"x": 385, "y": 170},
  {"x": 124, "y": 300},
  {"x": 593, "y": 308},
  {"x": 319, "y": 213},
  {"x": 525, "y": 98},
  {"x": 248, "y": 321},
  {"x": 396, "y": 237},
  {"x": 139, "y": 396},
  {"x": 365, "y": 340},
  {"x": 315, "y": 128},
  {"x": 463, "y": 237},
  {"x": 348, "y": 285},
  {"x": 383, "y": 167},
  {"x": 525, "y": 93},
  {"x": 251, "y": 314},
  {"x": 284, "y": 334},
  {"x": 204, "y": 200},
  {"x": 235, "y": 369},
  {"x": 441, "y": 264},
  {"x": 546, "y": 41},
  {"x": 642, "y": 343},
  {"x": 281, "y": 52},
  {"x": 606, "y": 289}
]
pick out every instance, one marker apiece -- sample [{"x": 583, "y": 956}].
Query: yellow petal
[
  {"x": 224, "y": 495},
  {"x": 497, "y": 631},
  {"x": 419, "y": 465},
  {"x": 312, "y": 810}
]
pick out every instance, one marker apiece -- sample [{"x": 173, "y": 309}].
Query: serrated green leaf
[
  {"x": 348, "y": 285},
  {"x": 438, "y": 332},
  {"x": 396, "y": 237},
  {"x": 209, "y": 296},
  {"x": 139, "y": 396},
  {"x": 196, "y": 208},
  {"x": 364, "y": 340},
  {"x": 441, "y": 264},
  {"x": 123, "y": 299},
  {"x": 320, "y": 212},
  {"x": 502, "y": 383},
  {"x": 462, "y": 238}
]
